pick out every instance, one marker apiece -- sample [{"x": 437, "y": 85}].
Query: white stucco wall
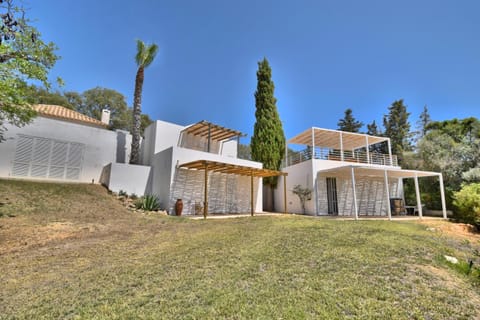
[
  {"x": 166, "y": 135},
  {"x": 298, "y": 174},
  {"x": 100, "y": 145},
  {"x": 162, "y": 167},
  {"x": 124, "y": 146},
  {"x": 147, "y": 146},
  {"x": 132, "y": 179},
  {"x": 229, "y": 148}
]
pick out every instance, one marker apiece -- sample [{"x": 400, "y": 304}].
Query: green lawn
[{"x": 73, "y": 252}]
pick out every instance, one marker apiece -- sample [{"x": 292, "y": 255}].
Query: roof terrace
[{"x": 326, "y": 144}]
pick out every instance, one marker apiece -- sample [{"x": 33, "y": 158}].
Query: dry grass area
[
  {"x": 74, "y": 252},
  {"x": 460, "y": 231}
]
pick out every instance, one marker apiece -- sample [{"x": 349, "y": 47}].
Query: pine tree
[
  {"x": 372, "y": 129},
  {"x": 423, "y": 122},
  {"x": 397, "y": 128},
  {"x": 268, "y": 140},
  {"x": 348, "y": 123}
]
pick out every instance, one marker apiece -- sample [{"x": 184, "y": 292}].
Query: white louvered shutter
[{"x": 47, "y": 158}]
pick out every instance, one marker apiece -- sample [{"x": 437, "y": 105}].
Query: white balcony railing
[{"x": 375, "y": 158}]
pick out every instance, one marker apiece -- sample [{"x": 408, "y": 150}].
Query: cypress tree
[
  {"x": 268, "y": 140},
  {"x": 349, "y": 123}
]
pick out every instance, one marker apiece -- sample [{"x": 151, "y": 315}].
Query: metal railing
[{"x": 360, "y": 156}]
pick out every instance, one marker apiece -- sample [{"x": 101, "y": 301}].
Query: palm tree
[{"x": 144, "y": 57}]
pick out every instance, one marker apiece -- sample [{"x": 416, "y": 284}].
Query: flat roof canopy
[
  {"x": 364, "y": 171},
  {"x": 215, "y": 132},
  {"x": 228, "y": 168},
  {"x": 331, "y": 139}
]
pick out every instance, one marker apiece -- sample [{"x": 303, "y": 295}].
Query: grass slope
[{"x": 72, "y": 251}]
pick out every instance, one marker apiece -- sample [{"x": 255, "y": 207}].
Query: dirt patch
[
  {"x": 457, "y": 230},
  {"x": 441, "y": 275},
  {"x": 17, "y": 236}
]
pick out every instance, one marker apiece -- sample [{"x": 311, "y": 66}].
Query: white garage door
[{"x": 47, "y": 158}]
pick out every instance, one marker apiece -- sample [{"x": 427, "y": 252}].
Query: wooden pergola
[
  {"x": 211, "y": 132},
  {"x": 227, "y": 168}
]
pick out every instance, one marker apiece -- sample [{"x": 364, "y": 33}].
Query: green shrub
[
  {"x": 138, "y": 203},
  {"x": 467, "y": 204},
  {"x": 150, "y": 203}
]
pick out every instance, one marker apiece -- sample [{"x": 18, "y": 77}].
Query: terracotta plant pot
[{"x": 179, "y": 207}]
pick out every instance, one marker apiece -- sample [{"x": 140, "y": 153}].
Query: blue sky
[{"x": 326, "y": 56}]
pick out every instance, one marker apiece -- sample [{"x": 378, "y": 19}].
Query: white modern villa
[
  {"x": 196, "y": 163},
  {"x": 348, "y": 176}
]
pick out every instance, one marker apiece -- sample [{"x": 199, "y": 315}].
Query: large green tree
[
  {"x": 348, "y": 123},
  {"x": 397, "y": 128},
  {"x": 91, "y": 102},
  {"x": 145, "y": 56},
  {"x": 40, "y": 95},
  {"x": 24, "y": 56},
  {"x": 451, "y": 147},
  {"x": 95, "y": 100},
  {"x": 268, "y": 140}
]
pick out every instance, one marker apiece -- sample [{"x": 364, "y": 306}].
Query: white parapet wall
[{"x": 129, "y": 178}]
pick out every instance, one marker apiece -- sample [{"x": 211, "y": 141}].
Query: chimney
[{"x": 106, "y": 116}]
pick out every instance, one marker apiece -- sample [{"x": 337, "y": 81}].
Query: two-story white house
[
  {"x": 196, "y": 163},
  {"x": 349, "y": 174}
]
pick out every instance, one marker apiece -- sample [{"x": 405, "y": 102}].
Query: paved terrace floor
[{"x": 345, "y": 218}]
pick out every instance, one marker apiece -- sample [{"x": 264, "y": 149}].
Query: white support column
[
  {"x": 419, "y": 201},
  {"x": 286, "y": 155},
  {"x": 390, "y": 151},
  {"x": 341, "y": 146},
  {"x": 442, "y": 195},
  {"x": 313, "y": 144},
  {"x": 355, "y": 206},
  {"x": 367, "y": 149},
  {"x": 314, "y": 173},
  {"x": 401, "y": 190},
  {"x": 389, "y": 209}
]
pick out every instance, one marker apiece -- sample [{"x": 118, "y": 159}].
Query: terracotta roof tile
[{"x": 63, "y": 113}]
